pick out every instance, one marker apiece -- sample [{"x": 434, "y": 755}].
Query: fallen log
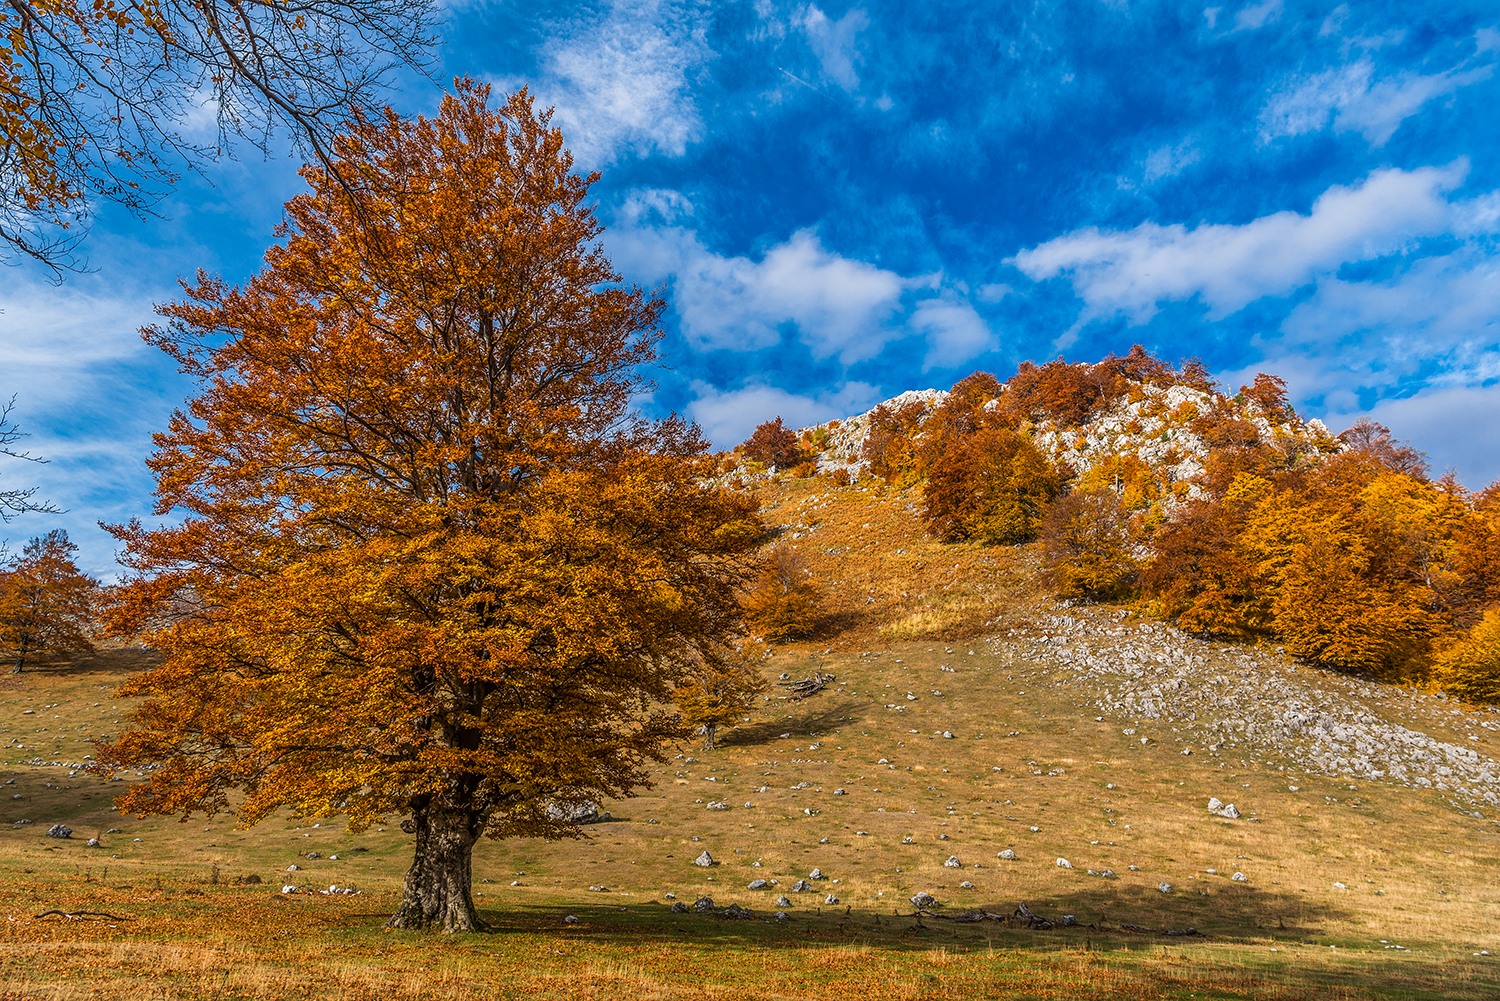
[{"x": 808, "y": 686}]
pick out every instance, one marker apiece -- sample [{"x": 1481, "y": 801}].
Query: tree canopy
[
  {"x": 46, "y": 602},
  {"x": 431, "y": 565}
]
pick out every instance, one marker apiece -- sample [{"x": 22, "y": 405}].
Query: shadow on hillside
[
  {"x": 1106, "y": 919},
  {"x": 813, "y": 714}
]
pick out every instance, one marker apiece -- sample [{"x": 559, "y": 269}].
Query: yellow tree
[
  {"x": 430, "y": 565},
  {"x": 46, "y": 602},
  {"x": 716, "y": 695}
]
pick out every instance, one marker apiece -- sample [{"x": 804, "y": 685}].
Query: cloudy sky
[{"x": 851, "y": 200}]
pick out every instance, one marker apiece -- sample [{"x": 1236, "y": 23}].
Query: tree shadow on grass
[
  {"x": 813, "y": 715},
  {"x": 121, "y": 660}
]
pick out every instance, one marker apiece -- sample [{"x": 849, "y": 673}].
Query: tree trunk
[
  {"x": 710, "y": 731},
  {"x": 439, "y": 883}
]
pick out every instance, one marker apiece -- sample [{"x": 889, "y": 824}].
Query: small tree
[
  {"x": 774, "y": 444},
  {"x": 1470, "y": 668},
  {"x": 785, "y": 601},
  {"x": 1088, "y": 546},
  {"x": 716, "y": 695},
  {"x": 46, "y": 602}
]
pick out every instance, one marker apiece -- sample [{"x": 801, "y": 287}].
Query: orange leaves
[
  {"x": 433, "y": 563},
  {"x": 774, "y": 444},
  {"x": 785, "y": 600},
  {"x": 718, "y": 695},
  {"x": 46, "y": 602}
]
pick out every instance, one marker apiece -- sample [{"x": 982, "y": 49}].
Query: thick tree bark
[{"x": 439, "y": 884}]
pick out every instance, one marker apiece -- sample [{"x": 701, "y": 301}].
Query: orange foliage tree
[
  {"x": 985, "y": 480},
  {"x": 430, "y": 565},
  {"x": 774, "y": 444},
  {"x": 785, "y": 600},
  {"x": 1089, "y": 545},
  {"x": 46, "y": 602}
]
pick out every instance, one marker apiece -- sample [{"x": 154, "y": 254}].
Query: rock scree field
[{"x": 1192, "y": 819}]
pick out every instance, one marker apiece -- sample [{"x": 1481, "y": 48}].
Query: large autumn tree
[
  {"x": 46, "y": 602},
  {"x": 430, "y": 566}
]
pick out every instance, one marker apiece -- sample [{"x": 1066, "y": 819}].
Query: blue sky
[{"x": 844, "y": 201}]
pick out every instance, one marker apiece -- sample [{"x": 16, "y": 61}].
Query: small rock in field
[
  {"x": 831, "y": 899},
  {"x": 947, "y": 735},
  {"x": 1007, "y": 854},
  {"x": 923, "y": 900},
  {"x": 571, "y": 919},
  {"x": 680, "y": 908},
  {"x": 704, "y": 860},
  {"x": 783, "y": 901},
  {"x": 816, "y": 874},
  {"x": 670, "y": 896},
  {"x": 1339, "y": 886},
  {"x": 715, "y": 805},
  {"x": 966, "y": 885},
  {"x": 953, "y": 862},
  {"x": 1063, "y": 863},
  {"x": 599, "y": 889},
  {"x": 1239, "y": 877},
  {"x": 59, "y": 831},
  {"x": 1069, "y": 921},
  {"x": 1134, "y": 868},
  {"x": 92, "y": 843},
  {"x": 289, "y": 888},
  {"x": 757, "y": 884},
  {"x": 801, "y": 886},
  {"x": 703, "y": 904},
  {"x": 781, "y": 915},
  {"x": 1108, "y": 874},
  {"x": 294, "y": 868},
  {"x": 839, "y": 792},
  {"x": 1164, "y": 887}
]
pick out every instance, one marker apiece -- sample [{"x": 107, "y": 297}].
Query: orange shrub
[
  {"x": 785, "y": 600},
  {"x": 1088, "y": 546}
]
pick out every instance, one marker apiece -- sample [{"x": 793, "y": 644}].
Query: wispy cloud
[
  {"x": 835, "y": 43},
  {"x": 623, "y": 83},
  {"x": 1355, "y": 100}
]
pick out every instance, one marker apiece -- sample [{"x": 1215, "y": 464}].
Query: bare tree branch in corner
[
  {"x": 95, "y": 98},
  {"x": 17, "y": 500}
]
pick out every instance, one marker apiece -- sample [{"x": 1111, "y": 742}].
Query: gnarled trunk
[{"x": 439, "y": 883}]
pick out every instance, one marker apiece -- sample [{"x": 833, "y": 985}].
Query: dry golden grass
[{"x": 1040, "y": 757}]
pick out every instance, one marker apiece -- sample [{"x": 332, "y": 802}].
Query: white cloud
[
  {"x": 621, "y": 86},
  {"x": 953, "y": 330},
  {"x": 1169, "y": 161},
  {"x": 837, "y": 306},
  {"x": 1257, "y": 15},
  {"x": 834, "y": 43},
  {"x": 1230, "y": 266},
  {"x": 1354, "y": 101},
  {"x": 728, "y": 418}
]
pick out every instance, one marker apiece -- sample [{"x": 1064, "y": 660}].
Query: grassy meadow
[{"x": 1030, "y": 766}]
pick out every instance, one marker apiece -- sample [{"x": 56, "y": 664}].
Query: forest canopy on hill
[{"x": 1227, "y": 515}]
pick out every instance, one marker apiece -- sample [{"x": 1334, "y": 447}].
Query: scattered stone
[
  {"x": 669, "y": 896},
  {"x": 704, "y": 860},
  {"x": 714, "y": 805},
  {"x": 294, "y": 868},
  {"x": 781, "y": 915},
  {"x": 801, "y": 886},
  {"x": 1007, "y": 854},
  {"x": 816, "y": 874},
  {"x": 92, "y": 843},
  {"x": 113, "y": 830},
  {"x": 947, "y": 735},
  {"x": 757, "y": 884},
  {"x": 571, "y": 919},
  {"x": 1164, "y": 887},
  {"x": 1134, "y": 868},
  {"x": 680, "y": 908},
  {"x": 923, "y": 900},
  {"x": 1239, "y": 877},
  {"x": 1036, "y": 830},
  {"x": 59, "y": 831},
  {"x": 953, "y": 862},
  {"x": 839, "y": 792},
  {"x": 1108, "y": 874},
  {"x": 599, "y": 889},
  {"x": 736, "y": 913},
  {"x": 966, "y": 885},
  {"x": 783, "y": 901},
  {"x": 1069, "y": 921},
  {"x": 831, "y": 899},
  {"x": 1339, "y": 886},
  {"x": 703, "y": 905},
  {"x": 1063, "y": 863}
]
